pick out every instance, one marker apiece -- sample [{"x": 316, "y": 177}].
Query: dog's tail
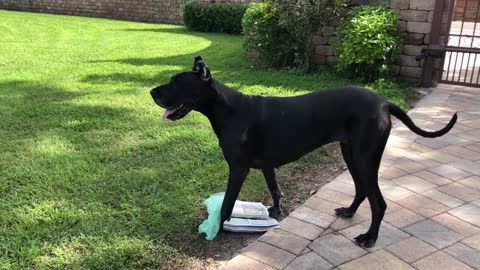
[{"x": 402, "y": 116}]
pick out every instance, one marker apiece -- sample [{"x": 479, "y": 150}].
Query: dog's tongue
[{"x": 167, "y": 113}]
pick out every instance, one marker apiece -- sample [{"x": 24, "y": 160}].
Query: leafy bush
[
  {"x": 368, "y": 41},
  {"x": 226, "y": 18},
  {"x": 280, "y": 30}
]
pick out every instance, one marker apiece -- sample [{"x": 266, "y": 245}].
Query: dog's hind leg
[
  {"x": 367, "y": 155},
  {"x": 348, "y": 212},
  {"x": 276, "y": 209}
]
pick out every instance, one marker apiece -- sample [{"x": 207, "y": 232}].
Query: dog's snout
[{"x": 153, "y": 93}]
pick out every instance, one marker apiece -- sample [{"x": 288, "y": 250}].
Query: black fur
[{"x": 268, "y": 132}]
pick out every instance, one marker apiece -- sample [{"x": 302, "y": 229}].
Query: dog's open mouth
[{"x": 176, "y": 112}]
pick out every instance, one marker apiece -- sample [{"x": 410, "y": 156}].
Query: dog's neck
[{"x": 223, "y": 103}]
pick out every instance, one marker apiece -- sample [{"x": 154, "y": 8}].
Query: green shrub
[
  {"x": 262, "y": 33},
  {"x": 280, "y": 30},
  {"x": 225, "y": 18},
  {"x": 368, "y": 41}
]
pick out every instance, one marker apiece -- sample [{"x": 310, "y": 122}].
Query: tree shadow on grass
[
  {"x": 71, "y": 170},
  {"x": 223, "y": 58},
  {"x": 148, "y": 184}
]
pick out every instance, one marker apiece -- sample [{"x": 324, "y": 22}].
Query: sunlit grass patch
[{"x": 90, "y": 177}]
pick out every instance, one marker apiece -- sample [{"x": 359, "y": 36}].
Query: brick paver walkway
[{"x": 432, "y": 187}]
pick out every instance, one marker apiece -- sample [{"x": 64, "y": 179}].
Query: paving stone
[
  {"x": 423, "y": 205},
  {"x": 468, "y": 212},
  {"x": 456, "y": 224},
  {"x": 378, "y": 260},
  {"x": 460, "y": 191},
  {"x": 312, "y": 216},
  {"x": 336, "y": 249},
  {"x": 432, "y": 143},
  {"x": 322, "y": 205},
  {"x": 383, "y": 184},
  {"x": 301, "y": 228},
  {"x": 411, "y": 249},
  {"x": 465, "y": 254},
  {"x": 364, "y": 210},
  {"x": 475, "y": 147},
  {"x": 396, "y": 193},
  {"x": 392, "y": 206},
  {"x": 469, "y": 136},
  {"x": 449, "y": 172},
  {"x": 433, "y": 178},
  {"x": 268, "y": 254},
  {"x": 397, "y": 141},
  {"x": 459, "y": 128},
  {"x": 414, "y": 183},
  {"x": 443, "y": 198},
  {"x": 408, "y": 165},
  {"x": 392, "y": 173},
  {"x": 440, "y": 156},
  {"x": 473, "y": 241},
  {"x": 474, "y": 124},
  {"x": 455, "y": 140},
  {"x": 327, "y": 231},
  {"x": 285, "y": 240},
  {"x": 403, "y": 218},
  {"x": 420, "y": 148},
  {"x": 427, "y": 162},
  {"x": 387, "y": 235},
  {"x": 242, "y": 262},
  {"x": 433, "y": 233},
  {"x": 345, "y": 177},
  {"x": 461, "y": 152},
  {"x": 305, "y": 251},
  {"x": 309, "y": 261},
  {"x": 342, "y": 223},
  {"x": 440, "y": 260},
  {"x": 477, "y": 202},
  {"x": 472, "y": 181},
  {"x": 334, "y": 196},
  {"x": 341, "y": 187},
  {"x": 395, "y": 152},
  {"x": 466, "y": 165}
]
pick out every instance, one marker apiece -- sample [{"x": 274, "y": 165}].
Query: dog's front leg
[
  {"x": 236, "y": 178},
  {"x": 276, "y": 210}
]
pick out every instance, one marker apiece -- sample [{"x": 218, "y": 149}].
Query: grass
[{"x": 91, "y": 178}]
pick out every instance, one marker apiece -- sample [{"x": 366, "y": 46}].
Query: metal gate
[{"x": 461, "y": 62}]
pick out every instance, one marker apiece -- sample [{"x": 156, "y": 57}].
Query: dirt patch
[{"x": 298, "y": 185}]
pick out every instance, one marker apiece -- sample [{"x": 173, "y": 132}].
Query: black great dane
[{"x": 268, "y": 132}]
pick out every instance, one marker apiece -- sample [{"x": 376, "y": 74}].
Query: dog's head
[{"x": 185, "y": 92}]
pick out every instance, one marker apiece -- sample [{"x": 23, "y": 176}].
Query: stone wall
[
  {"x": 164, "y": 11},
  {"x": 415, "y": 25}
]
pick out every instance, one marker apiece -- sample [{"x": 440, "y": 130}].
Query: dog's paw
[
  {"x": 366, "y": 240},
  {"x": 274, "y": 212},
  {"x": 344, "y": 212}
]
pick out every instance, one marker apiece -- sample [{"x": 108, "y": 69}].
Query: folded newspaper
[{"x": 250, "y": 217}]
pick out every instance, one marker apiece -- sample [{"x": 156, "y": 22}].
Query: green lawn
[{"x": 90, "y": 177}]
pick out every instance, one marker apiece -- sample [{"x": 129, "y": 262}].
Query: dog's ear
[{"x": 202, "y": 68}]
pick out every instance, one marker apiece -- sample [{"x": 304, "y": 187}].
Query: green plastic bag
[{"x": 211, "y": 226}]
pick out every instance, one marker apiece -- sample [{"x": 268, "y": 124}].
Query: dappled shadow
[
  {"x": 115, "y": 169},
  {"x": 118, "y": 171},
  {"x": 121, "y": 77},
  {"x": 222, "y": 57}
]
